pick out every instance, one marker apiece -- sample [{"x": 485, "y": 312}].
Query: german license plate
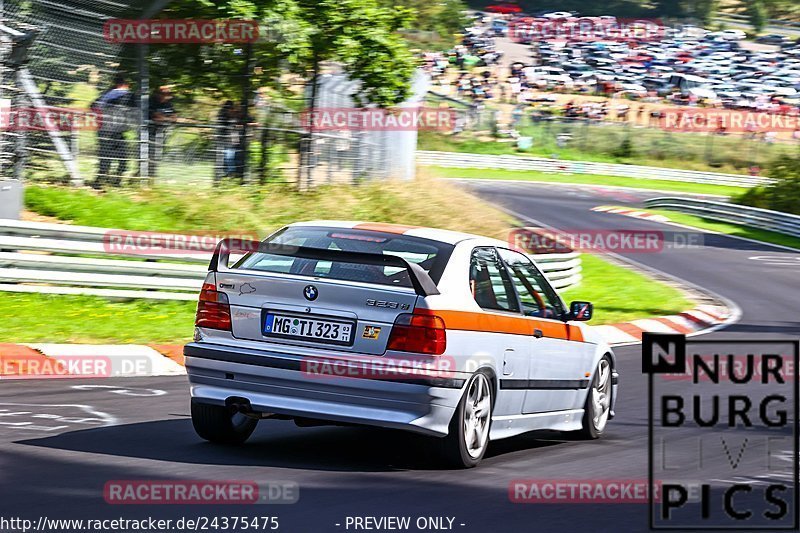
[{"x": 308, "y": 328}]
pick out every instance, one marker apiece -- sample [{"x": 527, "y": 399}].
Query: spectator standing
[
  {"x": 161, "y": 115},
  {"x": 114, "y": 108},
  {"x": 516, "y": 117},
  {"x": 516, "y": 88},
  {"x": 227, "y": 138}
]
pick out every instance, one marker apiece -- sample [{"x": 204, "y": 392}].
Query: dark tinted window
[
  {"x": 535, "y": 293},
  {"x": 489, "y": 281},
  {"x": 432, "y": 256}
]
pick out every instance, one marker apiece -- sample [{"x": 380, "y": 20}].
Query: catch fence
[{"x": 53, "y": 55}]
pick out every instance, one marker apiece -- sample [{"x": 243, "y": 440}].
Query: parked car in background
[
  {"x": 732, "y": 35},
  {"x": 775, "y": 39}
]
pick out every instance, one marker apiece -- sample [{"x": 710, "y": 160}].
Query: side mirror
[{"x": 581, "y": 311}]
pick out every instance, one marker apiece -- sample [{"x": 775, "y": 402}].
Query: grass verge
[
  {"x": 93, "y": 320},
  {"x": 619, "y": 293},
  {"x": 588, "y": 179}
]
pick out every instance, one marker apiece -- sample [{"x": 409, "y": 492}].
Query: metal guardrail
[
  {"x": 515, "y": 162},
  {"x": 563, "y": 270},
  {"x": 66, "y": 238},
  {"x": 65, "y": 259},
  {"x": 754, "y": 217}
]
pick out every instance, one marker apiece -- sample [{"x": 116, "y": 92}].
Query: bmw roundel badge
[{"x": 310, "y": 292}]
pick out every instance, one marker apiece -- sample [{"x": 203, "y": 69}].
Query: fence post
[
  {"x": 144, "y": 114},
  {"x": 20, "y": 154},
  {"x": 246, "y": 90}
]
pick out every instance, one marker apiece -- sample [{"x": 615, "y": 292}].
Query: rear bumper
[{"x": 280, "y": 383}]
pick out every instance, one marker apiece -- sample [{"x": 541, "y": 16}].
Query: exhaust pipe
[
  {"x": 242, "y": 405},
  {"x": 239, "y": 405}
]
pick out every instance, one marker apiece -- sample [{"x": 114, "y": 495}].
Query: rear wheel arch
[
  {"x": 468, "y": 431},
  {"x": 493, "y": 381}
]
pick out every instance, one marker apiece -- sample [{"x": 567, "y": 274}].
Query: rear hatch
[{"x": 337, "y": 301}]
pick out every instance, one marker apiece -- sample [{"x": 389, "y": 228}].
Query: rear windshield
[{"x": 432, "y": 256}]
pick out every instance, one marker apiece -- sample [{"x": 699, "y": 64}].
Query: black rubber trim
[
  {"x": 420, "y": 280},
  {"x": 281, "y": 363},
  {"x": 242, "y": 358},
  {"x": 544, "y": 384}
]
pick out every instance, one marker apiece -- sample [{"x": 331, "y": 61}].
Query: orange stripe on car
[
  {"x": 399, "y": 229},
  {"x": 574, "y": 333},
  {"x": 499, "y": 323}
]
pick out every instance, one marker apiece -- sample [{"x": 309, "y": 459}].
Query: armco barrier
[
  {"x": 65, "y": 259},
  {"x": 733, "y": 213},
  {"x": 515, "y": 162}
]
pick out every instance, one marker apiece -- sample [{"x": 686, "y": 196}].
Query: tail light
[
  {"x": 213, "y": 309},
  {"x": 419, "y": 334}
]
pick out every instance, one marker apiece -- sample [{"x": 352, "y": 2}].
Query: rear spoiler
[{"x": 420, "y": 280}]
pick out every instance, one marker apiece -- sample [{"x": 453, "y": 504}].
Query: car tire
[
  {"x": 597, "y": 408},
  {"x": 468, "y": 435},
  {"x": 220, "y": 424}
]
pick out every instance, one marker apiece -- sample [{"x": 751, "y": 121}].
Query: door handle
[{"x": 538, "y": 333}]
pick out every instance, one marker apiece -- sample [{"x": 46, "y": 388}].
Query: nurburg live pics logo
[{"x": 723, "y": 448}]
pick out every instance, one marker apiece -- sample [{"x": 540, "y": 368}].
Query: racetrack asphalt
[{"x": 62, "y": 440}]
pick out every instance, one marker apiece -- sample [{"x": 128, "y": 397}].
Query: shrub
[
  {"x": 624, "y": 150},
  {"x": 784, "y": 194}
]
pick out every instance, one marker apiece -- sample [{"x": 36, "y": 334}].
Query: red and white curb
[
  {"x": 689, "y": 322},
  {"x": 630, "y": 212}
]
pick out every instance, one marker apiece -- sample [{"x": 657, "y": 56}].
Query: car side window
[
  {"x": 535, "y": 293},
  {"x": 490, "y": 283}
]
